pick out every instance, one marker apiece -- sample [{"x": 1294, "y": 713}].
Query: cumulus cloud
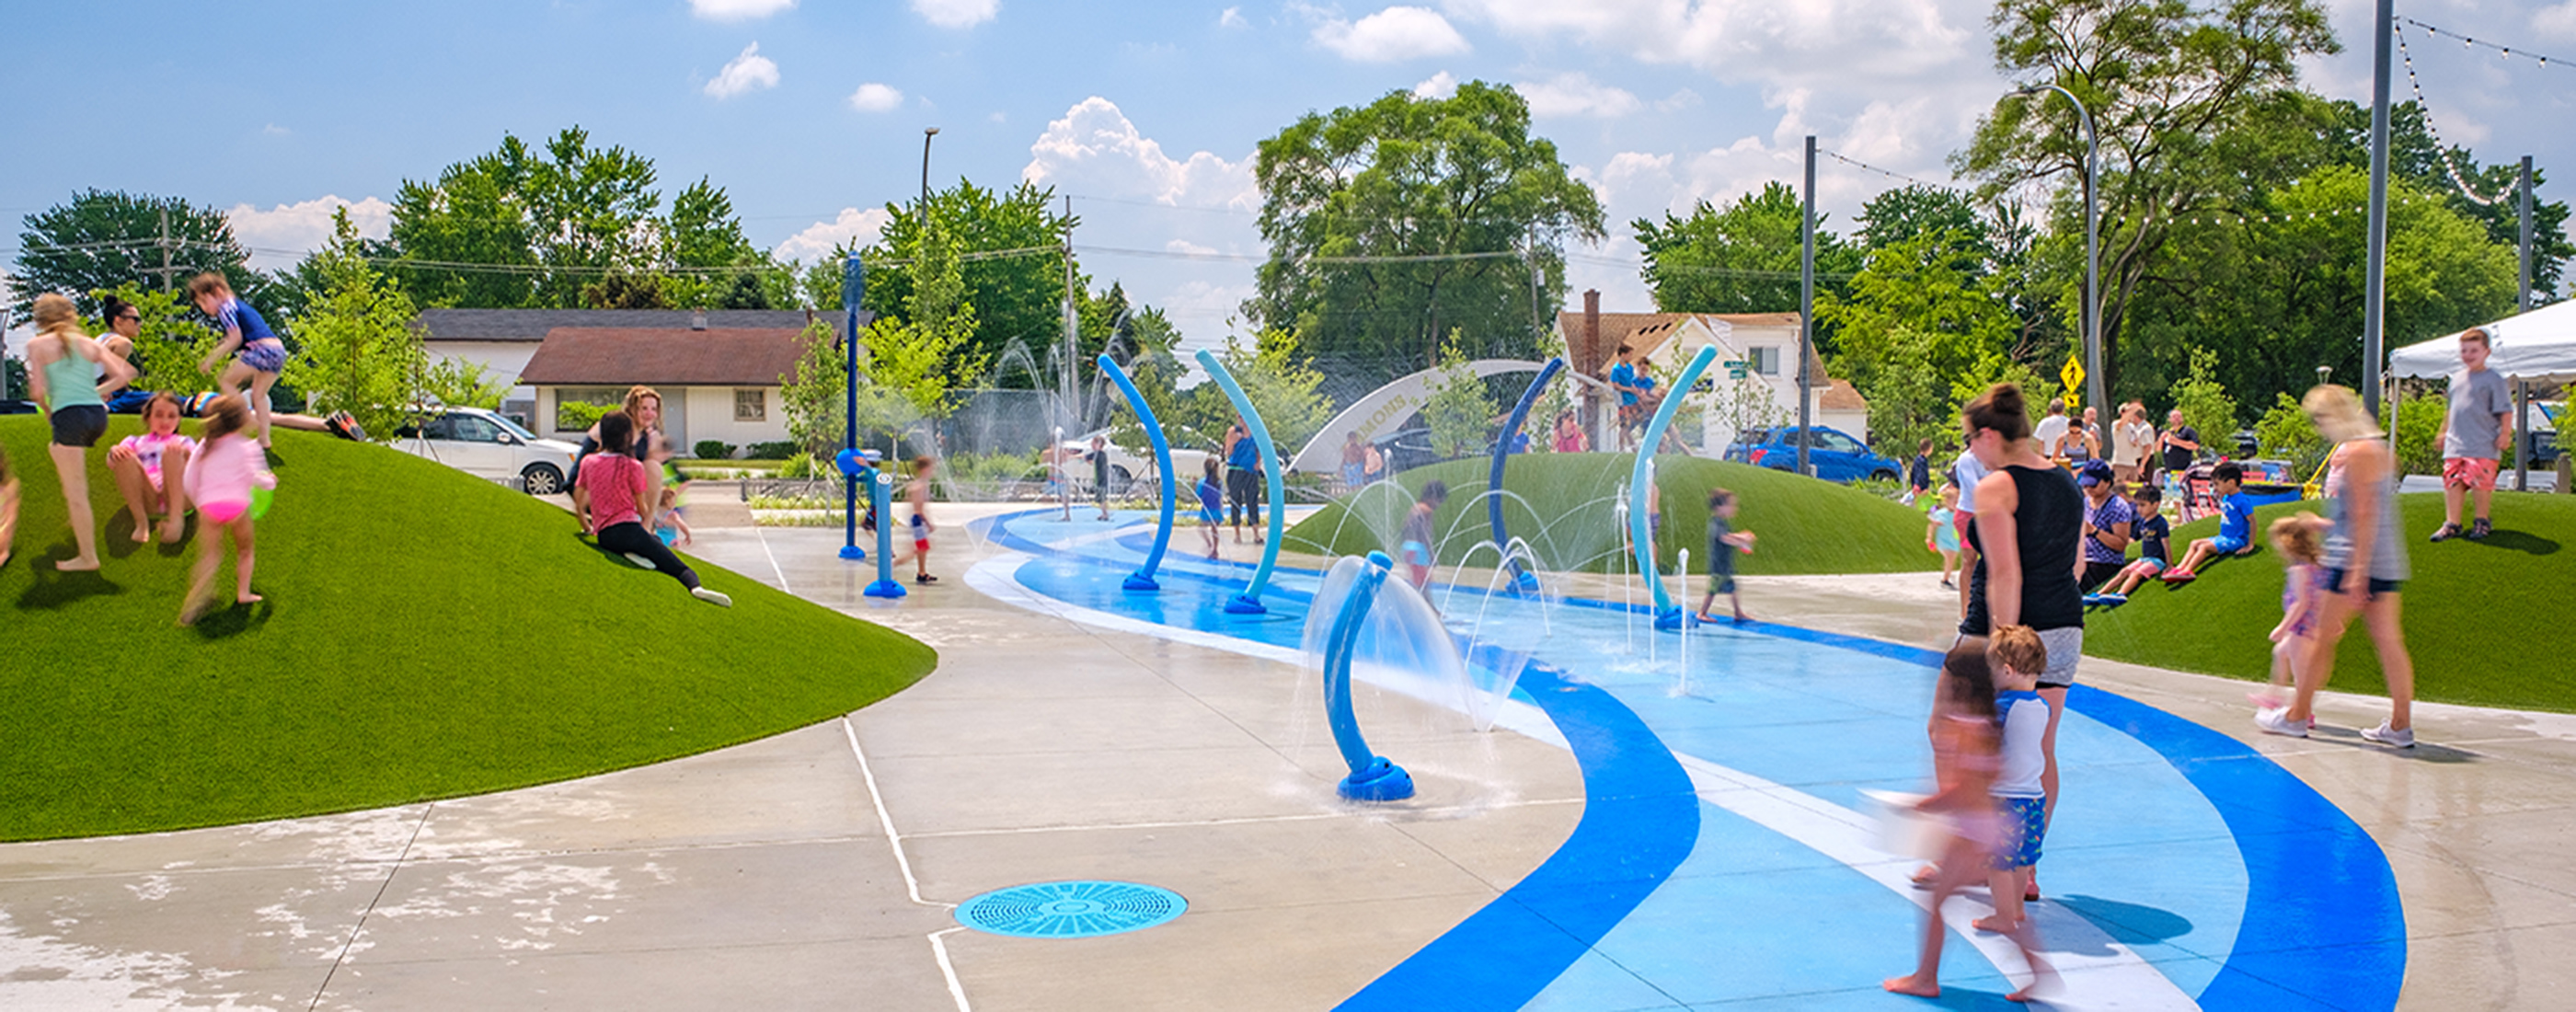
[
  {"x": 1095, "y": 150},
  {"x": 1441, "y": 85},
  {"x": 2559, "y": 21},
  {"x": 854, "y": 228},
  {"x": 874, "y": 97},
  {"x": 1390, "y": 35},
  {"x": 747, "y": 73},
  {"x": 957, "y": 13},
  {"x": 1576, "y": 94},
  {"x": 280, "y": 236},
  {"x": 1232, "y": 18},
  {"x": 737, "y": 10}
]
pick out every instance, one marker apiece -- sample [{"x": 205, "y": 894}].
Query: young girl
[
  {"x": 1417, "y": 537},
  {"x": 1965, "y": 758},
  {"x": 228, "y": 467},
  {"x": 8, "y": 507},
  {"x": 613, "y": 490},
  {"x": 262, "y": 356},
  {"x": 2297, "y": 538},
  {"x": 1211, "y": 504},
  {"x": 64, "y": 368},
  {"x": 1943, "y": 535},
  {"x": 152, "y": 468}
]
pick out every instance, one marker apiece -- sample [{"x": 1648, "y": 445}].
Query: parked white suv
[{"x": 487, "y": 445}]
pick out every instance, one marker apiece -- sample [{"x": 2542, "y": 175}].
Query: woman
[
  {"x": 2084, "y": 442},
  {"x": 63, "y": 368},
  {"x": 2131, "y": 440},
  {"x": 2365, "y": 564},
  {"x": 643, "y": 411},
  {"x": 2029, "y": 518}
]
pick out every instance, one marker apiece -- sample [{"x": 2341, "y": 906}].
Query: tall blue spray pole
[
  {"x": 1521, "y": 578},
  {"x": 1372, "y": 777},
  {"x": 861, "y": 467},
  {"x": 1249, "y": 602},
  {"x": 1143, "y": 579},
  {"x": 854, "y": 286},
  {"x": 1667, "y": 614}
]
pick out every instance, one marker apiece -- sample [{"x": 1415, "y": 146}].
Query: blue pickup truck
[{"x": 1835, "y": 455}]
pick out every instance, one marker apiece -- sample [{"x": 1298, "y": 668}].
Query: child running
[
  {"x": 2017, "y": 657},
  {"x": 1964, "y": 761},
  {"x": 2235, "y": 525},
  {"x": 1723, "y": 542},
  {"x": 614, "y": 491},
  {"x": 2154, "y": 537},
  {"x": 917, "y": 493},
  {"x": 1417, "y": 538},
  {"x": 152, "y": 469},
  {"x": 1211, "y": 504},
  {"x": 2300, "y": 540},
  {"x": 71, "y": 375},
  {"x": 261, "y": 355},
  {"x": 227, "y": 470},
  {"x": 8, "y": 507},
  {"x": 1943, "y": 535}
]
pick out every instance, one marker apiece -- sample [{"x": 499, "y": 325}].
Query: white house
[
  {"x": 1763, "y": 341},
  {"x": 503, "y": 340},
  {"x": 719, "y": 384}
]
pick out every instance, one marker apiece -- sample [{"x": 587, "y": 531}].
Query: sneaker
[
  {"x": 2092, "y": 600},
  {"x": 2393, "y": 737},
  {"x": 2115, "y": 600},
  {"x": 711, "y": 597},
  {"x": 2445, "y": 533},
  {"x": 925, "y": 578},
  {"x": 2479, "y": 529},
  {"x": 2179, "y": 578},
  {"x": 1947, "y": 585},
  {"x": 2278, "y": 722},
  {"x": 640, "y": 561}
]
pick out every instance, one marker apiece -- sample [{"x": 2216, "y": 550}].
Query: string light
[
  {"x": 1857, "y": 164},
  {"x": 2470, "y": 43},
  {"x": 2457, "y": 178}
]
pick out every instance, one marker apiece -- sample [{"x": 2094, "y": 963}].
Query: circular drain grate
[{"x": 1070, "y": 909}]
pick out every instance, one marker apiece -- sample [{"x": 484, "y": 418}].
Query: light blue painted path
[{"x": 2166, "y": 832}]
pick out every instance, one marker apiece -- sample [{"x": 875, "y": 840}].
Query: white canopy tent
[{"x": 2538, "y": 346}]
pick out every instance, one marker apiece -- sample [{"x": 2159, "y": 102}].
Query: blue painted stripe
[{"x": 1640, "y": 820}]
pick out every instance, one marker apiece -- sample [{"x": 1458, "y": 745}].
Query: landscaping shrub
[
  {"x": 779, "y": 450},
  {"x": 714, "y": 449}
]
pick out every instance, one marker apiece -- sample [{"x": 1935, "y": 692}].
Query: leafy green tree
[
  {"x": 1286, "y": 390},
  {"x": 1914, "y": 210},
  {"x": 1459, "y": 183},
  {"x": 1925, "y": 290},
  {"x": 1742, "y": 258},
  {"x": 560, "y": 216},
  {"x": 703, "y": 232},
  {"x": 1017, "y": 298},
  {"x": 173, "y": 339},
  {"x": 360, "y": 353},
  {"x": 2414, "y": 155},
  {"x": 2204, "y": 401},
  {"x": 2417, "y": 433},
  {"x": 1908, "y": 400},
  {"x": 1459, "y": 410},
  {"x": 458, "y": 383},
  {"x": 929, "y": 355},
  {"x": 105, "y": 240},
  {"x": 2286, "y": 434}
]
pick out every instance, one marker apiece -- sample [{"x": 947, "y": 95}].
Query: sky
[{"x": 810, "y": 113}]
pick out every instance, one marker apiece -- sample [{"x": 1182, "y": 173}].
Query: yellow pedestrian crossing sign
[{"x": 2073, "y": 377}]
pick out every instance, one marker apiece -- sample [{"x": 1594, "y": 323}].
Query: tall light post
[
  {"x": 2092, "y": 315},
  {"x": 926, "y": 134}
]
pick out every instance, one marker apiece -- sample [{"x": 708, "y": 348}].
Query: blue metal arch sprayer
[
  {"x": 1143, "y": 579},
  {"x": 1667, "y": 614},
  {"x": 1521, "y": 578},
  {"x": 1372, "y": 778},
  {"x": 1249, "y": 602}
]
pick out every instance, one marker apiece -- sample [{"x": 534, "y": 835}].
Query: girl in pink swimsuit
[{"x": 220, "y": 481}]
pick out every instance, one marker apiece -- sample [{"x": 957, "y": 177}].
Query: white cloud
[
  {"x": 1232, "y": 18},
  {"x": 874, "y": 97},
  {"x": 275, "y": 130},
  {"x": 1188, "y": 247},
  {"x": 853, "y": 228},
  {"x": 737, "y": 10},
  {"x": 748, "y": 72},
  {"x": 1441, "y": 85},
  {"x": 1576, "y": 94},
  {"x": 957, "y": 13},
  {"x": 1679, "y": 100},
  {"x": 280, "y": 236},
  {"x": 2558, "y": 22},
  {"x": 1390, "y": 35},
  {"x": 1095, "y": 150}
]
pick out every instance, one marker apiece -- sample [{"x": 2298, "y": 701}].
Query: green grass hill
[
  {"x": 426, "y": 634},
  {"x": 1563, "y": 504},
  {"x": 2486, "y": 621}
]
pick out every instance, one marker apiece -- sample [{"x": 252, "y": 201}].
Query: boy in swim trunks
[
  {"x": 260, "y": 355},
  {"x": 917, "y": 493}
]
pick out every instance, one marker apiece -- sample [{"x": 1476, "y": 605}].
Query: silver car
[{"x": 487, "y": 445}]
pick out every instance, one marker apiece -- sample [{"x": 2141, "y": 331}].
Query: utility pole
[
  {"x": 2522, "y": 387},
  {"x": 1806, "y": 313},
  {"x": 2375, "y": 283},
  {"x": 166, "y": 271}
]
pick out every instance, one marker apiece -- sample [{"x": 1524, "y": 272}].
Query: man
[
  {"x": 2051, "y": 430},
  {"x": 2475, "y": 431},
  {"x": 1099, "y": 458},
  {"x": 1243, "y": 480},
  {"x": 2181, "y": 443}
]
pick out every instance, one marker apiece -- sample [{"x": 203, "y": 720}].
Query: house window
[
  {"x": 751, "y": 405},
  {"x": 1766, "y": 360}
]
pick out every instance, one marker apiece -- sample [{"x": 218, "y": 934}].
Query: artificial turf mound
[
  {"x": 1564, "y": 510},
  {"x": 426, "y": 634},
  {"x": 2486, "y": 621}
]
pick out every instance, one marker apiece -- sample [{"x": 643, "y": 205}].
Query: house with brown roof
[
  {"x": 716, "y": 383},
  {"x": 1764, "y": 342},
  {"x": 503, "y": 340}
]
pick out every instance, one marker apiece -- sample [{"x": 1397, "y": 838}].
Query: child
[
  {"x": 917, "y": 493},
  {"x": 2154, "y": 534},
  {"x": 674, "y": 528},
  {"x": 613, "y": 489},
  {"x": 70, "y": 375},
  {"x": 1723, "y": 542},
  {"x": 2235, "y": 525},
  {"x": 141, "y": 464},
  {"x": 262, "y": 355},
  {"x": 1211, "y": 504},
  {"x": 2300, "y": 542},
  {"x": 1964, "y": 760},
  {"x": 221, "y": 484},
  {"x": 8, "y": 507},
  {"x": 2017, "y": 658},
  {"x": 1943, "y": 535},
  {"x": 1099, "y": 458},
  {"x": 1417, "y": 532}
]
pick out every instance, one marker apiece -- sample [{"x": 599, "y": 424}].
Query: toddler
[
  {"x": 1964, "y": 760},
  {"x": 1723, "y": 542},
  {"x": 1211, "y": 504},
  {"x": 1943, "y": 535},
  {"x": 2302, "y": 590},
  {"x": 220, "y": 481}
]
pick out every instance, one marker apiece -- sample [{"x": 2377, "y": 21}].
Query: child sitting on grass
[
  {"x": 1723, "y": 542},
  {"x": 1211, "y": 504},
  {"x": 2154, "y": 534},
  {"x": 2235, "y": 525},
  {"x": 1943, "y": 535},
  {"x": 221, "y": 482},
  {"x": 2299, "y": 539}
]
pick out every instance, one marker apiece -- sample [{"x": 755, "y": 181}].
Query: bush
[
  {"x": 780, "y": 450},
  {"x": 578, "y": 416},
  {"x": 803, "y": 465},
  {"x": 2286, "y": 434},
  {"x": 714, "y": 449},
  {"x": 2419, "y": 422}
]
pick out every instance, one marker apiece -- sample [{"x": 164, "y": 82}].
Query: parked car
[
  {"x": 1834, "y": 455},
  {"x": 1125, "y": 468},
  {"x": 487, "y": 445}
]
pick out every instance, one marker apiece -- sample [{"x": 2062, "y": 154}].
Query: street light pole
[
  {"x": 926, "y": 134},
  {"x": 2091, "y": 317}
]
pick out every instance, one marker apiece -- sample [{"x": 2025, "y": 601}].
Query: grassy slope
[
  {"x": 2485, "y": 621},
  {"x": 427, "y": 634},
  {"x": 1565, "y": 511}
]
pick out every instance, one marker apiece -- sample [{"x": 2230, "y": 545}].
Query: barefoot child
[
  {"x": 1964, "y": 761},
  {"x": 1943, "y": 535},
  {"x": 917, "y": 493},
  {"x": 71, "y": 374},
  {"x": 1723, "y": 542},
  {"x": 228, "y": 467},
  {"x": 2154, "y": 535},
  {"x": 2017, "y": 657},
  {"x": 616, "y": 493},
  {"x": 261, "y": 355},
  {"x": 8, "y": 507},
  {"x": 1417, "y": 536},
  {"x": 1211, "y": 504},
  {"x": 2299, "y": 539},
  {"x": 2235, "y": 525},
  {"x": 152, "y": 470}
]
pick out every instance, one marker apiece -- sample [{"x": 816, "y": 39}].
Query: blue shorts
[
  {"x": 2331, "y": 581},
  {"x": 1211, "y": 517},
  {"x": 2025, "y": 823},
  {"x": 267, "y": 355},
  {"x": 2228, "y": 546},
  {"x": 1416, "y": 553}
]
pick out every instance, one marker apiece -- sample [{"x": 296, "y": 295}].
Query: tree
[
  {"x": 104, "y": 240},
  {"x": 1472, "y": 209},
  {"x": 173, "y": 338},
  {"x": 2177, "y": 91},
  {"x": 1916, "y": 209},
  {"x": 2204, "y": 401},
  {"x": 456, "y": 382},
  {"x": 702, "y": 233},
  {"x": 1017, "y": 298},
  {"x": 1742, "y": 258},
  {"x": 1459, "y": 410},
  {"x": 552, "y": 220},
  {"x": 1286, "y": 391},
  {"x": 924, "y": 359},
  {"x": 359, "y": 354}
]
